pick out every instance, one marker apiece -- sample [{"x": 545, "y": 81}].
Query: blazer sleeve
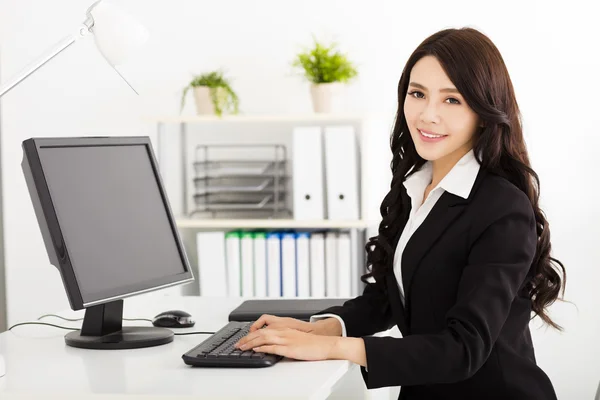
[
  {"x": 498, "y": 262},
  {"x": 366, "y": 314}
]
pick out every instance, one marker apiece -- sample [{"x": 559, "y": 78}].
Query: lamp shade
[{"x": 116, "y": 33}]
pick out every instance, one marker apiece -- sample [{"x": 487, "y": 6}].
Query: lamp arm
[{"x": 84, "y": 30}]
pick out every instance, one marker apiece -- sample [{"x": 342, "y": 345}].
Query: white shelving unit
[
  {"x": 196, "y": 223},
  {"x": 190, "y": 226},
  {"x": 183, "y": 121},
  {"x": 333, "y": 117}
]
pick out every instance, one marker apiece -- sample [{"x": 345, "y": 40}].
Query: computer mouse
[{"x": 173, "y": 319}]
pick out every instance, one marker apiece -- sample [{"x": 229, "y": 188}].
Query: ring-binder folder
[
  {"x": 307, "y": 163},
  {"x": 341, "y": 170}
]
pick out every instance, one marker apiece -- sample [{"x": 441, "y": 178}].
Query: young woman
[{"x": 462, "y": 258}]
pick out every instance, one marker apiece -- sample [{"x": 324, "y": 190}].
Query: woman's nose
[{"x": 429, "y": 114}]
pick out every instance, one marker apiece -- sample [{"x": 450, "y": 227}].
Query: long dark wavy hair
[{"x": 475, "y": 66}]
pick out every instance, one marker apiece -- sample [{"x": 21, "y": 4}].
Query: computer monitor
[{"x": 108, "y": 227}]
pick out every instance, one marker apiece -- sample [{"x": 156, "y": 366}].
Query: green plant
[
  {"x": 224, "y": 99},
  {"x": 324, "y": 64}
]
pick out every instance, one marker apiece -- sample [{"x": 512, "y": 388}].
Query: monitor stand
[{"x": 103, "y": 329}]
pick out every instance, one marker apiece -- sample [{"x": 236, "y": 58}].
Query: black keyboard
[{"x": 218, "y": 350}]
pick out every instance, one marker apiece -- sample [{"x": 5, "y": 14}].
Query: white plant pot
[
  {"x": 326, "y": 97},
  {"x": 204, "y": 104}
]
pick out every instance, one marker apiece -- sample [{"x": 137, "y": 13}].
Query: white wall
[{"x": 549, "y": 48}]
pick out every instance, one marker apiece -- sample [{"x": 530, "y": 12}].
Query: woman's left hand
[{"x": 290, "y": 343}]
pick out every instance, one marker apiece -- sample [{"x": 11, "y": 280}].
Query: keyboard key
[
  {"x": 258, "y": 355},
  {"x": 246, "y": 354}
]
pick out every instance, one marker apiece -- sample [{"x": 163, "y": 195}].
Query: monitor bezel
[{"x": 54, "y": 240}]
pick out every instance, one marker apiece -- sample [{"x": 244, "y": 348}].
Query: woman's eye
[
  {"x": 420, "y": 95},
  {"x": 416, "y": 94}
]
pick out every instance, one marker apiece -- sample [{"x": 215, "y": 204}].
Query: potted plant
[
  {"x": 213, "y": 94},
  {"x": 328, "y": 70}
]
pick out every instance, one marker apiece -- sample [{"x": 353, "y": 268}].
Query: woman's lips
[{"x": 430, "y": 137}]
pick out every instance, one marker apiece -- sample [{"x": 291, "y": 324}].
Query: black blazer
[{"x": 465, "y": 324}]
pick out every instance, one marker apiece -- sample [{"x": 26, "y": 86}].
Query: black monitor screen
[{"x": 112, "y": 216}]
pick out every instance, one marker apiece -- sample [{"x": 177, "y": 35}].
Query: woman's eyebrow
[{"x": 446, "y": 90}]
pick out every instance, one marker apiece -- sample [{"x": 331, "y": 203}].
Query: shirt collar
[
  {"x": 417, "y": 183},
  {"x": 459, "y": 181}
]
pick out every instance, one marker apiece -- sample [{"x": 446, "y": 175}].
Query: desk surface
[{"x": 39, "y": 363}]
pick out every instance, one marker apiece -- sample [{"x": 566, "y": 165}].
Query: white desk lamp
[{"x": 116, "y": 35}]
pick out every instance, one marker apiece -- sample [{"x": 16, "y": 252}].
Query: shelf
[
  {"x": 271, "y": 224},
  {"x": 333, "y": 117}
]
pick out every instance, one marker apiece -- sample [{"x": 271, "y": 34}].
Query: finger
[
  {"x": 272, "y": 349},
  {"x": 259, "y": 340},
  {"x": 249, "y": 337},
  {"x": 277, "y": 326},
  {"x": 260, "y": 322}
]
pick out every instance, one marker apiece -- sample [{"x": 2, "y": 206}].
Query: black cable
[
  {"x": 58, "y": 316},
  {"x": 81, "y": 319},
  {"x": 76, "y": 329},
  {"x": 137, "y": 319},
  {"x": 42, "y": 323}
]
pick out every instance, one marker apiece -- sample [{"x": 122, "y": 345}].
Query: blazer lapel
[
  {"x": 392, "y": 283},
  {"x": 447, "y": 209},
  {"x": 398, "y": 310}
]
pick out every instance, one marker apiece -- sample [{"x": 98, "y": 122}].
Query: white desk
[{"x": 40, "y": 365}]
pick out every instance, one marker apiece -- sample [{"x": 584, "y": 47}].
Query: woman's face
[{"x": 441, "y": 124}]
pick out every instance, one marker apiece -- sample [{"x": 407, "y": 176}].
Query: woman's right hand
[{"x": 274, "y": 322}]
